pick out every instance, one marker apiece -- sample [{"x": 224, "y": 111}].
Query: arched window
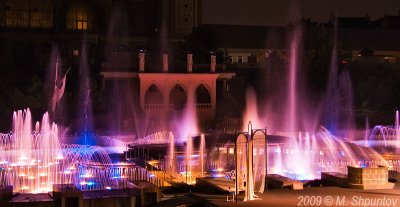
[
  {"x": 80, "y": 17},
  {"x": 178, "y": 98},
  {"x": 153, "y": 95},
  {"x": 202, "y": 95}
]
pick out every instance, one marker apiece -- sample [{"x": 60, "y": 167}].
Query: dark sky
[{"x": 276, "y": 12}]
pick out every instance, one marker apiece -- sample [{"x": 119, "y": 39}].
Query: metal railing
[{"x": 151, "y": 107}]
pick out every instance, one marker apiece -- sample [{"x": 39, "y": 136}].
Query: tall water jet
[
  {"x": 346, "y": 114},
  {"x": 187, "y": 123},
  {"x": 171, "y": 155},
  {"x": 292, "y": 92},
  {"x": 397, "y": 127},
  {"x": 338, "y": 112},
  {"x": 331, "y": 99},
  {"x": 188, "y": 159},
  {"x": 251, "y": 111},
  {"x": 202, "y": 153},
  {"x": 33, "y": 159},
  {"x": 366, "y": 133},
  {"x": 85, "y": 99},
  {"x": 122, "y": 106}
]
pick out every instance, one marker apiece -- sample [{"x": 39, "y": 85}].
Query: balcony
[{"x": 153, "y": 107}]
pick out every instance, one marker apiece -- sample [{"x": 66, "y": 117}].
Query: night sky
[{"x": 276, "y": 12}]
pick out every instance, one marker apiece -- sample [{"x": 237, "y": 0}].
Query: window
[
  {"x": 41, "y": 13},
  {"x": 202, "y": 95},
  {"x": 252, "y": 59},
  {"x": 240, "y": 59},
  {"x": 79, "y": 17},
  {"x": 26, "y": 13},
  {"x": 153, "y": 95},
  {"x": 17, "y": 13},
  {"x": 230, "y": 59},
  {"x": 177, "y": 98}
]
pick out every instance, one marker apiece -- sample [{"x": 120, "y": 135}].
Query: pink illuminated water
[
  {"x": 188, "y": 159},
  {"x": 171, "y": 155},
  {"x": 202, "y": 153},
  {"x": 397, "y": 126},
  {"x": 187, "y": 124},
  {"x": 292, "y": 89},
  {"x": 31, "y": 161},
  {"x": 251, "y": 111},
  {"x": 366, "y": 133},
  {"x": 193, "y": 164},
  {"x": 385, "y": 135},
  {"x": 307, "y": 148}
]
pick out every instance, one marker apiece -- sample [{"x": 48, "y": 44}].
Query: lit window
[
  {"x": 79, "y": 17},
  {"x": 26, "y": 13}
]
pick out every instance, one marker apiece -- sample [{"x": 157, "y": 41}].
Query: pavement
[{"x": 314, "y": 196}]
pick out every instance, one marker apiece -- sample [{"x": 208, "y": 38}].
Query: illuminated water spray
[{"x": 31, "y": 161}]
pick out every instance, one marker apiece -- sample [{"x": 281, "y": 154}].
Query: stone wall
[{"x": 376, "y": 175}]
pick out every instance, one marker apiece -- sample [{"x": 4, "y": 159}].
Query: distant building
[
  {"x": 110, "y": 31},
  {"x": 378, "y": 43},
  {"x": 129, "y": 24},
  {"x": 165, "y": 96},
  {"x": 390, "y": 21},
  {"x": 252, "y": 46},
  {"x": 249, "y": 46}
]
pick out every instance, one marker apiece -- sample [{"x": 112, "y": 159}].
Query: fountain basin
[
  {"x": 366, "y": 178},
  {"x": 369, "y": 178},
  {"x": 279, "y": 181}
]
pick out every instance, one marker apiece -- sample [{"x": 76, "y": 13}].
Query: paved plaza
[{"x": 315, "y": 196}]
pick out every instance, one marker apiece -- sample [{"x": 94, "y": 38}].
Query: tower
[{"x": 185, "y": 15}]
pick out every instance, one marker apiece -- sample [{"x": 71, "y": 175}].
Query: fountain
[
  {"x": 85, "y": 100},
  {"x": 188, "y": 160},
  {"x": 397, "y": 126},
  {"x": 292, "y": 89},
  {"x": 366, "y": 133},
  {"x": 35, "y": 161},
  {"x": 302, "y": 149},
  {"x": 171, "y": 156},
  {"x": 385, "y": 135},
  {"x": 202, "y": 152},
  {"x": 31, "y": 161}
]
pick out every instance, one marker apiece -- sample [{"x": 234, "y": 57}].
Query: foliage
[
  {"x": 201, "y": 42},
  {"x": 21, "y": 81},
  {"x": 376, "y": 89}
]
